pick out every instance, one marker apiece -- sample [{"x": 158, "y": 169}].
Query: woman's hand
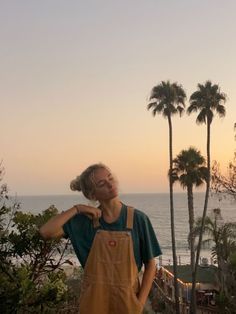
[{"x": 91, "y": 212}]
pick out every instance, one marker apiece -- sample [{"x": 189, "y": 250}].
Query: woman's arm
[
  {"x": 148, "y": 276},
  {"x": 53, "y": 228}
]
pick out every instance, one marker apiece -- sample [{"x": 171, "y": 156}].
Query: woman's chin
[{"x": 113, "y": 194}]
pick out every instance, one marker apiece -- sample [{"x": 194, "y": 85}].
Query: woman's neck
[{"x": 111, "y": 209}]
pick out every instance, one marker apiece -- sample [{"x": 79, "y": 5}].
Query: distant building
[{"x": 207, "y": 285}]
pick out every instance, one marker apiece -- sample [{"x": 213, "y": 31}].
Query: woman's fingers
[{"x": 96, "y": 213}]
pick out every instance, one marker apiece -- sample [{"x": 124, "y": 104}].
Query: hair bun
[{"x": 75, "y": 184}]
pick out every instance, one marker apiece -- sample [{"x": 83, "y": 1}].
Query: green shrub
[{"x": 31, "y": 276}]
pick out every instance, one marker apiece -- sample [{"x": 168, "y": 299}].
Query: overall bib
[{"x": 110, "y": 280}]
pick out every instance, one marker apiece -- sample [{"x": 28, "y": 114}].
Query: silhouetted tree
[
  {"x": 189, "y": 170},
  {"x": 206, "y": 101},
  {"x": 168, "y": 99}
]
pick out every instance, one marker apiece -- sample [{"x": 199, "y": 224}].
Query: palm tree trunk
[
  {"x": 177, "y": 309},
  {"x": 192, "y": 239},
  {"x": 192, "y": 309},
  {"x": 191, "y": 223}
]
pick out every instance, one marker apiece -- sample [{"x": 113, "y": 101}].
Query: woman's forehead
[{"x": 101, "y": 173}]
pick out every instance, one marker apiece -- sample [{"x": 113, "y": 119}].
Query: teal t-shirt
[{"x": 81, "y": 232}]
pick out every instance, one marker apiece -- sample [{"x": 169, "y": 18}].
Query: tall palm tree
[
  {"x": 168, "y": 99},
  {"x": 207, "y": 100},
  {"x": 189, "y": 170}
]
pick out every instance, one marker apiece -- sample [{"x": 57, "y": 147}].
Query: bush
[{"x": 31, "y": 276}]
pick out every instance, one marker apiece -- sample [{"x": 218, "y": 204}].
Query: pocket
[{"x": 111, "y": 250}]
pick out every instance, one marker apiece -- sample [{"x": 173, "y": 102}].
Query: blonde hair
[{"x": 85, "y": 182}]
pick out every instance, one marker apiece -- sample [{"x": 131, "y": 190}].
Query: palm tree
[
  {"x": 206, "y": 100},
  {"x": 168, "y": 99},
  {"x": 222, "y": 236},
  {"x": 189, "y": 169}
]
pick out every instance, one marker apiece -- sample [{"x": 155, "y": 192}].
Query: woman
[{"x": 112, "y": 242}]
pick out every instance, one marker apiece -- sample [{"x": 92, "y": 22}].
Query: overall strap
[{"x": 130, "y": 217}]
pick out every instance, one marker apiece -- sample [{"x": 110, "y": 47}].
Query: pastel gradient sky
[{"x": 75, "y": 78}]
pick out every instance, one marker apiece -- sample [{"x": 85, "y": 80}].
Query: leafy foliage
[
  {"x": 167, "y": 99},
  {"x": 221, "y": 236},
  {"x": 189, "y": 168},
  {"x": 207, "y": 100},
  {"x": 224, "y": 184},
  {"x": 31, "y": 277}
]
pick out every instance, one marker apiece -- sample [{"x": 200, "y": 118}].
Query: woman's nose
[{"x": 109, "y": 184}]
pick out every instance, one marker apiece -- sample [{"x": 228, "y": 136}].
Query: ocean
[{"x": 156, "y": 206}]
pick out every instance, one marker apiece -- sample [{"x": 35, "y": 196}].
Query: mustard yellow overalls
[{"x": 110, "y": 280}]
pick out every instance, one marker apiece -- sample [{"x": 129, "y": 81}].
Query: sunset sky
[{"x": 75, "y": 77}]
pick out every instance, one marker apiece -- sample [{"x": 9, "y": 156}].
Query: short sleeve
[
  {"x": 149, "y": 245},
  {"x": 81, "y": 233}
]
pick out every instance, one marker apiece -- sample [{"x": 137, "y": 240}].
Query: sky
[{"x": 75, "y": 78}]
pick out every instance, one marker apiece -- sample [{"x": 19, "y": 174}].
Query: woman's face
[{"x": 105, "y": 185}]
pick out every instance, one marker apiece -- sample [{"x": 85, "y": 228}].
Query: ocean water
[{"x": 156, "y": 206}]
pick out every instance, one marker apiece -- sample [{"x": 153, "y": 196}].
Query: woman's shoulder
[
  {"x": 141, "y": 217},
  {"x": 138, "y": 214},
  {"x": 79, "y": 220}
]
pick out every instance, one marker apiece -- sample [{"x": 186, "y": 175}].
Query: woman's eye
[{"x": 101, "y": 185}]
